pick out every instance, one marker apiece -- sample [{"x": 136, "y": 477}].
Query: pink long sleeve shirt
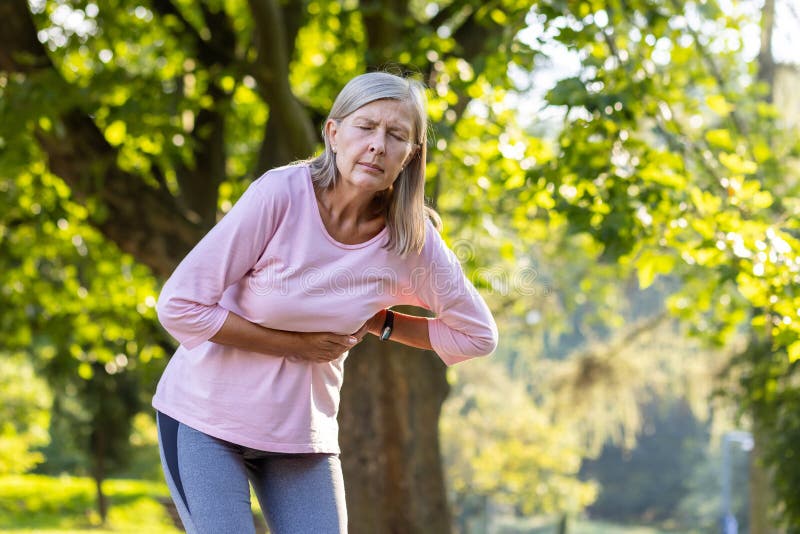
[{"x": 271, "y": 260}]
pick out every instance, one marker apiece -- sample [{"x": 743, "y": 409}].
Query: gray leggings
[{"x": 208, "y": 480}]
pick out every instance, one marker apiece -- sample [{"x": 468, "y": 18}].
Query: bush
[{"x": 25, "y": 402}]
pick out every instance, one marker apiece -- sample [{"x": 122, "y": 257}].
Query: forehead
[{"x": 391, "y": 112}]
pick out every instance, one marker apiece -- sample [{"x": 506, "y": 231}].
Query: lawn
[
  {"x": 33, "y": 503},
  {"x": 549, "y": 525},
  {"x": 63, "y": 505}
]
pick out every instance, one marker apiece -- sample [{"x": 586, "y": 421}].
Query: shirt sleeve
[
  {"x": 463, "y": 327},
  {"x": 188, "y": 306}
]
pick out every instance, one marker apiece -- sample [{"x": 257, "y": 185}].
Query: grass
[
  {"x": 48, "y": 505},
  {"x": 599, "y": 527},
  {"x": 41, "y": 504},
  {"x": 549, "y": 525}
]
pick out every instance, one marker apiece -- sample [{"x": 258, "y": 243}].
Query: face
[{"x": 373, "y": 144}]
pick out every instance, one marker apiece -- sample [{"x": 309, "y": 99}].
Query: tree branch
[
  {"x": 713, "y": 69},
  {"x": 199, "y": 184},
  {"x": 20, "y": 49},
  {"x": 446, "y": 13},
  {"x": 143, "y": 221},
  {"x": 766, "y": 61},
  {"x": 209, "y": 51},
  {"x": 289, "y": 132},
  {"x": 383, "y": 21}
]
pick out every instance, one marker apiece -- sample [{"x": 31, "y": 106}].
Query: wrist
[
  {"x": 376, "y": 323},
  {"x": 388, "y": 326},
  {"x": 290, "y": 342}
]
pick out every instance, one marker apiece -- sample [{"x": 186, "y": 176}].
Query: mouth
[{"x": 371, "y": 166}]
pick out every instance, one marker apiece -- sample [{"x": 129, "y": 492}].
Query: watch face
[{"x": 386, "y": 333}]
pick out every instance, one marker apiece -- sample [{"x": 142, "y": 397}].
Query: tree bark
[
  {"x": 289, "y": 134},
  {"x": 142, "y": 221},
  {"x": 391, "y": 404}
]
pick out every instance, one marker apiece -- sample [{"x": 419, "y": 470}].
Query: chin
[{"x": 369, "y": 182}]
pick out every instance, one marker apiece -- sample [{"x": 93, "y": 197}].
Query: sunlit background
[{"x": 619, "y": 179}]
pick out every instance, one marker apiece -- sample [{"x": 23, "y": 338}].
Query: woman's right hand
[
  {"x": 316, "y": 347},
  {"x": 320, "y": 347}
]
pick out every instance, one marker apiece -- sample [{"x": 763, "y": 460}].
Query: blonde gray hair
[{"x": 404, "y": 202}]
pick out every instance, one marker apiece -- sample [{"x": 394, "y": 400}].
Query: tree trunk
[
  {"x": 563, "y": 524},
  {"x": 391, "y": 403},
  {"x": 766, "y": 62},
  {"x": 761, "y": 494},
  {"x": 98, "y": 450},
  {"x": 762, "y": 497}
]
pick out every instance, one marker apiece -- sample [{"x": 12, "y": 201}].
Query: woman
[{"x": 267, "y": 305}]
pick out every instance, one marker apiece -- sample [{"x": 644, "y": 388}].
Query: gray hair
[{"x": 404, "y": 202}]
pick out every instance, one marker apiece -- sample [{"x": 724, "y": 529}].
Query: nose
[{"x": 377, "y": 143}]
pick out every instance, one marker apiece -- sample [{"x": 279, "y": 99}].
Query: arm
[
  {"x": 317, "y": 347},
  {"x": 189, "y": 308},
  {"x": 463, "y": 327},
  {"x": 409, "y": 330}
]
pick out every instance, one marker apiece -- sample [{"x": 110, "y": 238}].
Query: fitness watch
[{"x": 388, "y": 324}]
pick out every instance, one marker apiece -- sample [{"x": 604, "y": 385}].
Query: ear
[
  {"x": 411, "y": 155},
  {"x": 331, "y": 129}
]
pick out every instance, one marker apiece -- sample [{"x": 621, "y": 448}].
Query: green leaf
[
  {"x": 85, "y": 371},
  {"x": 568, "y": 92},
  {"x": 736, "y": 164},
  {"x": 793, "y": 351},
  {"x": 115, "y": 132},
  {"x": 719, "y": 105},
  {"x": 720, "y": 139},
  {"x": 651, "y": 263}
]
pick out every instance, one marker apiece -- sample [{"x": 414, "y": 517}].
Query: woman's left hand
[{"x": 372, "y": 326}]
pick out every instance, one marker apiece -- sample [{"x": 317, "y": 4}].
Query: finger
[
  {"x": 339, "y": 346},
  {"x": 363, "y": 331},
  {"x": 347, "y": 341}
]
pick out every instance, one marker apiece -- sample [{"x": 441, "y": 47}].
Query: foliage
[
  {"x": 498, "y": 444},
  {"x": 672, "y": 160},
  {"x": 144, "y": 461},
  {"x": 83, "y": 311},
  {"x": 24, "y": 415}
]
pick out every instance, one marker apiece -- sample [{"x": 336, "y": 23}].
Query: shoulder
[
  {"x": 283, "y": 183},
  {"x": 435, "y": 249}
]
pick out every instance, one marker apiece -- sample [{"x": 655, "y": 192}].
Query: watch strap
[{"x": 388, "y": 325}]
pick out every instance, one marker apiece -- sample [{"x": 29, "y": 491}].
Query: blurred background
[{"x": 618, "y": 177}]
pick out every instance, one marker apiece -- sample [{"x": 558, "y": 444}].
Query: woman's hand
[
  {"x": 320, "y": 347},
  {"x": 372, "y": 326},
  {"x": 317, "y": 347}
]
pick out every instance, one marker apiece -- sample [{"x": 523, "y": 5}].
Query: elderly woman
[{"x": 268, "y": 304}]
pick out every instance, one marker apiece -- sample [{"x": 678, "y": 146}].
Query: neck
[{"x": 345, "y": 205}]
